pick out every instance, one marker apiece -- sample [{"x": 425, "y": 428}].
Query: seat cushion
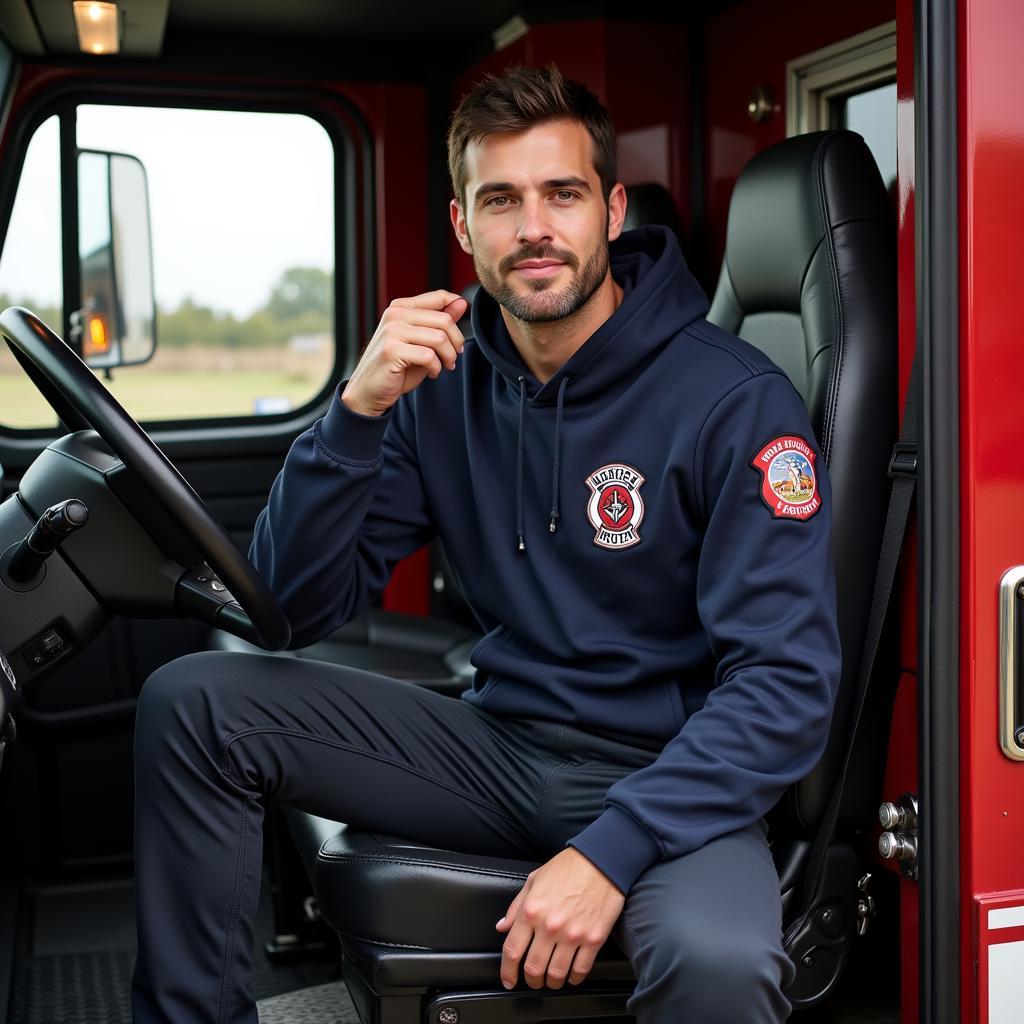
[
  {"x": 411, "y": 915},
  {"x": 389, "y": 890}
]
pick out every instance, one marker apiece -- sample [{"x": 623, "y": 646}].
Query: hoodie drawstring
[
  {"x": 520, "y": 539},
  {"x": 554, "y": 475},
  {"x": 520, "y": 458}
]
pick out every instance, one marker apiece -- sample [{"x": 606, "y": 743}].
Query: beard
[{"x": 544, "y": 303}]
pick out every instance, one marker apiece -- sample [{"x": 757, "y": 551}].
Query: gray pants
[{"x": 218, "y": 735}]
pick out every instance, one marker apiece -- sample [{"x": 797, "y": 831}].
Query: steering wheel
[{"x": 247, "y": 607}]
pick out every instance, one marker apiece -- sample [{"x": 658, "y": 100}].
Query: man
[{"x": 598, "y": 462}]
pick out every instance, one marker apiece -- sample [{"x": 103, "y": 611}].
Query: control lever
[{"x": 55, "y": 525}]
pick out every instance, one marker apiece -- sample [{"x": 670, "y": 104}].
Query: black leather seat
[
  {"x": 809, "y": 276},
  {"x": 651, "y": 203}
]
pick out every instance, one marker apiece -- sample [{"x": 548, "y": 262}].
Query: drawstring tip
[
  {"x": 553, "y": 525},
  {"x": 521, "y": 543}
]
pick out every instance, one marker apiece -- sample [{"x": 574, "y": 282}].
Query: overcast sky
[{"x": 235, "y": 199}]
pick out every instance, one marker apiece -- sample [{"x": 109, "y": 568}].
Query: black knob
[{"x": 54, "y": 525}]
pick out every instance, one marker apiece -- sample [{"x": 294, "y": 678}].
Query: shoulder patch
[{"x": 789, "y": 485}]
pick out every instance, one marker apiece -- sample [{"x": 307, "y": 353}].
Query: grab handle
[{"x": 1011, "y": 648}]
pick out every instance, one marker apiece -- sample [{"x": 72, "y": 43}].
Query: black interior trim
[
  {"x": 439, "y": 108},
  {"x": 936, "y": 259},
  {"x": 71, "y": 269}
]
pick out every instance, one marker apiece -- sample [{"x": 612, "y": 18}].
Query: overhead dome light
[{"x": 96, "y": 24}]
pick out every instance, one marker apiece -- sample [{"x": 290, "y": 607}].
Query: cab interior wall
[
  {"x": 677, "y": 124},
  {"x": 677, "y": 89}
]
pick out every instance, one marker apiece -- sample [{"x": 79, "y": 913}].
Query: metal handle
[{"x": 1011, "y": 694}]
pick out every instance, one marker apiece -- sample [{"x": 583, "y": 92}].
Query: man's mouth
[{"x": 539, "y": 268}]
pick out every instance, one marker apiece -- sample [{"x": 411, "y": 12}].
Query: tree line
[{"x": 300, "y": 302}]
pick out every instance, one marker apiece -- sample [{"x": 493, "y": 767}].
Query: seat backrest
[{"x": 809, "y": 277}]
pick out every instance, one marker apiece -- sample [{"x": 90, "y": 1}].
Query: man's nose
[{"x": 534, "y": 224}]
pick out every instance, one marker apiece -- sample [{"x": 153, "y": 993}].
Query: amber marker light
[
  {"x": 96, "y": 24},
  {"x": 98, "y": 342}
]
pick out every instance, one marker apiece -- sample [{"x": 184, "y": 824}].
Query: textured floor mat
[
  {"x": 94, "y": 988},
  {"x": 77, "y": 953},
  {"x": 74, "y": 988},
  {"x": 325, "y": 1004}
]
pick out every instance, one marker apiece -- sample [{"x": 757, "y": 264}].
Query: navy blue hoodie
[{"x": 644, "y": 539}]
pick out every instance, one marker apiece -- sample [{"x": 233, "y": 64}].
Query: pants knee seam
[
  {"x": 227, "y": 970},
  {"x": 327, "y": 741}
]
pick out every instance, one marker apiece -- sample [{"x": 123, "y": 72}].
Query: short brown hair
[{"x": 521, "y": 98}]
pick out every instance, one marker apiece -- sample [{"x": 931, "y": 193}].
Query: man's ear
[
  {"x": 459, "y": 225},
  {"x": 616, "y": 210}
]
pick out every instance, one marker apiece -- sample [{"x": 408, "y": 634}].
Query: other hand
[
  {"x": 415, "y": 339},
  {"x": 558, "y": 922}
]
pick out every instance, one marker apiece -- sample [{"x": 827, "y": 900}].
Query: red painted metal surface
[{"x": 991, "y": 456}]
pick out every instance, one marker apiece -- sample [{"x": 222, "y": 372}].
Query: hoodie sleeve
[
  {"x": 766, "y": 597},
  {"x": 347, "y": 505}
]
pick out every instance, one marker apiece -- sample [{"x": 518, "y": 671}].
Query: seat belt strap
[{"x": 903, "y": 471}]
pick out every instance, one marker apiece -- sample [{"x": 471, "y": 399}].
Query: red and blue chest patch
[{"x": 789, "y": 484}]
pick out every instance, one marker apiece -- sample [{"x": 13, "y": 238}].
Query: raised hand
[{"x": 415, "y": 339}]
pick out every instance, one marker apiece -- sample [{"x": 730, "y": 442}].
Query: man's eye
[
  {"x": 497, "y": 201},
  {"x": 565, "y": 195}
]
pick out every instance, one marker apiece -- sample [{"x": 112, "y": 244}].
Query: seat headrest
[
  {"x": 651, "y": 204},
  {"x": 784, "y": 202}
]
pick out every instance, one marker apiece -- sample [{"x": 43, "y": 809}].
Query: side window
[
  {"x": 241, "y": 207},
  {"x": 872, "y": 114},
  {"x": 851, "y": 84}
]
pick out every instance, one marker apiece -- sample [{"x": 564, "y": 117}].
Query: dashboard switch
[{"x": 44, "y": 649}]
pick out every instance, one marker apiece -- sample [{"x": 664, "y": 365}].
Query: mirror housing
[{"x": 116, "y": 325}]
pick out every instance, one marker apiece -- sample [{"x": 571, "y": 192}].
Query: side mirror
[{"x": 116, "y": 325}]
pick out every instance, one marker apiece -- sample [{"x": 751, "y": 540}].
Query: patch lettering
[
  {"x": 789, "y": 485},
  {"x": 615, "y": 508}
]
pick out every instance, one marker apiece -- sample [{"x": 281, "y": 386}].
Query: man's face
[{"x": 535, "y": 220}]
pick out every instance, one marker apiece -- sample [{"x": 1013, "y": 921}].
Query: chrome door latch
[
  {"x": 1011, "y": 689},
  {"x": 899, "y": 840}
]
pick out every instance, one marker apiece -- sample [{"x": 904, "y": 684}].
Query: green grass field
[{"x": 164, "y": 395}]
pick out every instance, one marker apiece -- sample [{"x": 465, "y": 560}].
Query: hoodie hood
[{"x": 660, "y": 298}]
